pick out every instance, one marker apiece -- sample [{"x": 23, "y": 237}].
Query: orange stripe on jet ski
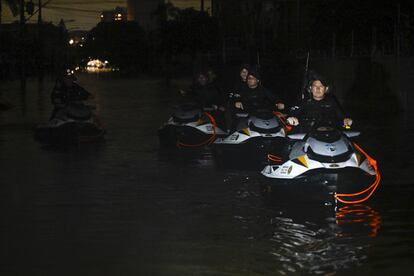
[
  {"x": 246, "y": 131},
  {"x": 302, "y": 160}
]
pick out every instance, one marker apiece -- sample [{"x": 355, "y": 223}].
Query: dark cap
[
  {"x": 245, "y": 66},
  {"x": 315, "y": 76},
  {"x": 254, "y": 74}
]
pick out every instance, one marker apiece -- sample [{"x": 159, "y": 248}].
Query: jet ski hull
[
  {"x": 182, "y": 136},
  {"x": 317, "y": 186},
  {"x": 252, "y": 153}
]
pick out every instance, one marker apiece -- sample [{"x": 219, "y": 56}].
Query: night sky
[{"x": 82, "y": 14}]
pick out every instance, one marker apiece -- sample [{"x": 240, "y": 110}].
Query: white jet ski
[
  {"x": 190, "y": 127},
  {"x": 325, "y": 159}
]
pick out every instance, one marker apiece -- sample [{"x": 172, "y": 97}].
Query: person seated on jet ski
[
  {"x": 241, "y": 82},
  {"x": 67, "y": 92},
  {"x": 213, "y": 80},
  {"x": 205, "y": 94},
  {"x": 254, "y": 96},
  {"x": 320, "y": 108}
]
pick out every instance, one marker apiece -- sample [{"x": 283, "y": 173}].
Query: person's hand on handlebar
[
  {"x": 347, "y": 122},
  {"x": 238, "y": 105},
  {"x": 293, "y": 121},
  {"x": 280, "y": 106}
]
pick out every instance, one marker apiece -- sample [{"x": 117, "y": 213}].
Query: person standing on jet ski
[
  {"x": 254, "y": 96},
  {"x": 321, "y": 108},
  {"x": 66, "y": 92}
]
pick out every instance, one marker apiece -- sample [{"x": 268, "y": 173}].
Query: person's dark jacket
[
  {"x": 326, "y": 111},
  {"x": 238, "y": 86},
  {"x": 259, "y": 97},
  {"x": 207, "y": 95}
]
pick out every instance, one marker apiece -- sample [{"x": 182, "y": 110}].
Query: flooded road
[{"x": 126, "y": 207}]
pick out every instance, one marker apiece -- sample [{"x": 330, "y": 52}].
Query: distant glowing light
[
  {"x": 96, "y": 65},
  {"x": 71, "y": 41}
]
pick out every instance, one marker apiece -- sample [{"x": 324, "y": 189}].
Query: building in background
[
  {"x": 117, "y": 14},
  {"x": 142, "y": 12}
]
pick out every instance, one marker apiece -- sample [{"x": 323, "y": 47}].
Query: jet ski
[
  {"x": 324, "y": 164},
  {"x": 75, "y": 123},
  {"x": 190, "y": 126},
  {"x": 260, "y": 135}
]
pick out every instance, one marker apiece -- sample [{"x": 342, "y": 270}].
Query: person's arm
[
  {"x": 219, "y": 98},
  {"x": 295, "y": 114},
  {"x": 239, "y": 98},
  {"x": 188, "y": 92},
  {"x": 340, "y": 114},
  {"x": 275, "y": 99}
]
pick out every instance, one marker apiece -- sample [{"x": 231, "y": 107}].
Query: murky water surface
[{"x": 125, "y": 207}]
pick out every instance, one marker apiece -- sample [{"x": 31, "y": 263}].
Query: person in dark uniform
[
  {"x": 204, "y": 93},
  {"x": 241, "y": 82},
  {"x": 254, "y": 95},
  {"x": 251, "y": 98},
  {"x": 320, "y": 108}
]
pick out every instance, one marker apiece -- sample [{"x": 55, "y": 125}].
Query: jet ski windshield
[
  {"x": 264, "y": 124},
  {"x": 328, "y": 145},
  {"x": 187, "y": 113},
  {"x": 326, "y": 134}
]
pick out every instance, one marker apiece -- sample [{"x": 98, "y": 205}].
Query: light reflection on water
[
  {"x": 307, "y": 239},
  {"x": 125, "y": 207}
]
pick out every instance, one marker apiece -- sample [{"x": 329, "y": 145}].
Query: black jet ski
[
  {"x": 259, "y": 136},
  {"x": 74, "y": 123},
  {"x": 324, "y": 164},
  {"x": 190, "y": 126}
]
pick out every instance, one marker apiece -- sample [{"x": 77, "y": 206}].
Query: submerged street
[{"x": 127, "y": 207}]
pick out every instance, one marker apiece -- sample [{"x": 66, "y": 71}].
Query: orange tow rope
[
  {"x": 281, "y": 118},
  {"x": 206, "y": 142},
  {"x": 370, "y": 190}
]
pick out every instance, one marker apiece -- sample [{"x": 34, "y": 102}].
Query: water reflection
[
  {"x": 125, "y": 205},
  {"x": 357, "y": 219},
  {"x": 315, "y": 241},
  {"x": 304, "y": 238}
]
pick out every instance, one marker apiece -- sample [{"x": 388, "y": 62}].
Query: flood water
[{"x": 127, "y": 207}]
